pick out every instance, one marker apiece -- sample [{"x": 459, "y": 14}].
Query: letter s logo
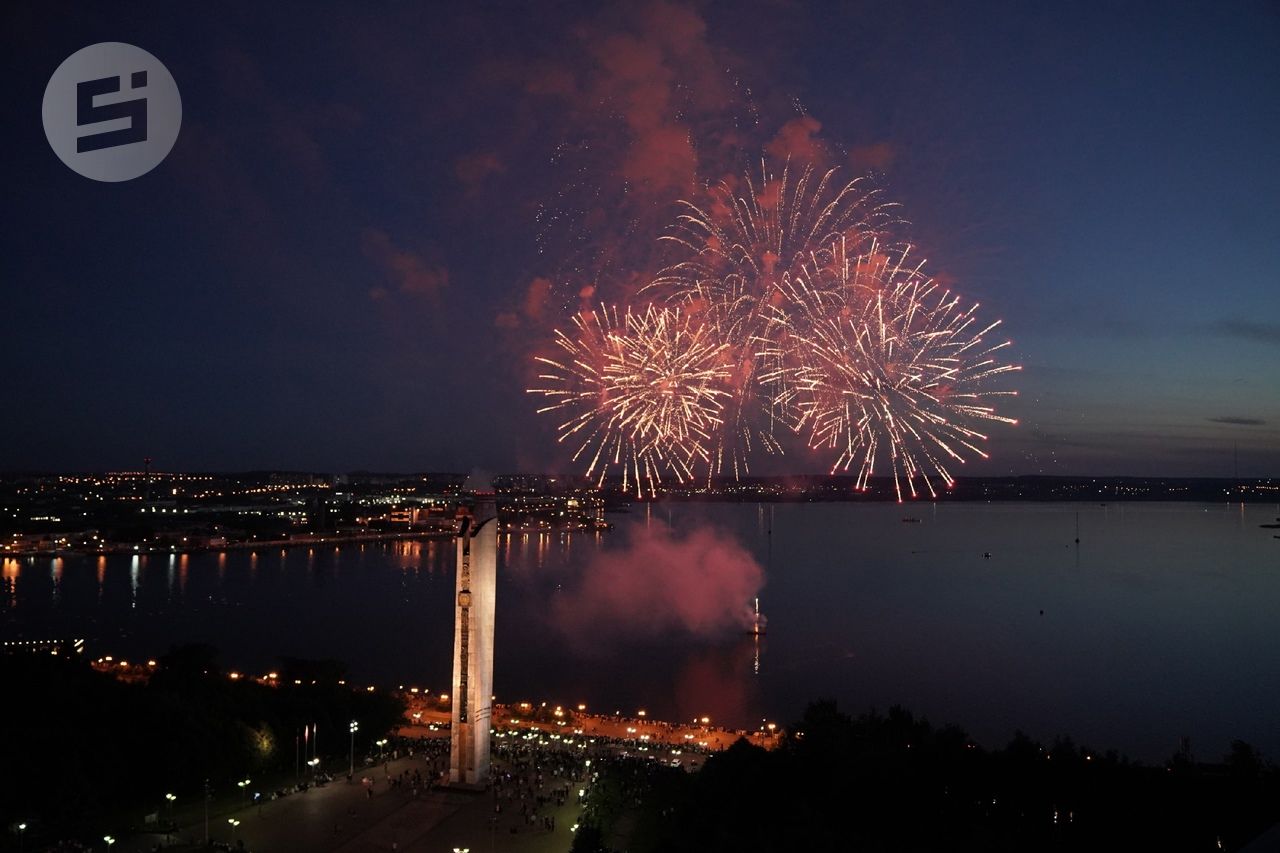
[
  {"x": 89, "y": 113},
  {"x": 111, "y": 111}
]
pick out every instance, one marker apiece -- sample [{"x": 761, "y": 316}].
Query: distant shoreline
[
  {"x": 336, "y": 539},
  {"x": 1028, "y": 488}
]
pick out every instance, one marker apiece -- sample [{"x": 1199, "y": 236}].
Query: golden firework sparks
[{"x": 643, "y": 393}]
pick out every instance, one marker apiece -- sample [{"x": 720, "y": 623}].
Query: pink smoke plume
[{"x": 701, "y": 583}]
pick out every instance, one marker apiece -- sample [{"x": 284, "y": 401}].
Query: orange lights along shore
[{"x": 429, "y": 716}]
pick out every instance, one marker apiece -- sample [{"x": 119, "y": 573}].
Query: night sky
[{"x": 376, "y": 213}]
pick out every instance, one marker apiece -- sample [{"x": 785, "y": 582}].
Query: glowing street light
[
  {"x": 355, "y": 727},
  {"x": 109, "y": 840},
  {"x": 381, "y": 743},
  {"x": 22, "y": 829},
  {"x": 243, "y": 785},
  {"x": 169, "y": 801}
]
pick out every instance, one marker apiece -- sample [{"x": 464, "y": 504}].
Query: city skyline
[{"x": 358, "y": 242}]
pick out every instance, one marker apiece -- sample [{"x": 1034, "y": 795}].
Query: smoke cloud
[{"x": 698, "y": 584}]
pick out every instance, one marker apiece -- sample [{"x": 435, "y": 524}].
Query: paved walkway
[{"x": 342, "y": 817}]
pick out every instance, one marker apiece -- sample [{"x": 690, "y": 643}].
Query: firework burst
[
  {"x": 884, "y": 361},
  {"x": 739, "y": 254},
  {"x": 786, "y": 310},
  {"x": 643, "y": 393}
]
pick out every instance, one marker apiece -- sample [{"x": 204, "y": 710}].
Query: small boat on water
[
  {"x": 910, "y": 520},
  {"x": 758, "y": 621}
]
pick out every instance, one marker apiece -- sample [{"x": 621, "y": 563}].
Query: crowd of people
[{"x": 534, "y": 776}]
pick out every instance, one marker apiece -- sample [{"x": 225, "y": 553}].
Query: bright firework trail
[
  {"x": 642, "y": 393},
  {"x": 883, "y": 356},
  {"x": 741, "y": 249},
  {"x": 789, "y": 309}
]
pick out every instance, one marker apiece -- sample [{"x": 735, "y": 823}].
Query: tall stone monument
[{"x": 473, "y": 639}]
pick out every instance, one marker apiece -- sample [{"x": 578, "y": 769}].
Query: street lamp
[
  {"x": 381, "y": 743},
  {"x": 243, "y": 785},
  {"x": 234, "y": 823},
  {"x": 109, "y": 840},
  {"x": 169, "y": 798},
  {"x": 355, "y": 727},
  {"x": 22, "y": 828}
]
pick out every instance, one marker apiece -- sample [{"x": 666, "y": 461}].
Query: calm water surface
[{"x": 1161, "y": 623}]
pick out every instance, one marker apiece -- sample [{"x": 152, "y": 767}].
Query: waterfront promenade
[
  {"x": 541, "y": 768},
  {"x": 343, "y": 817}
]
